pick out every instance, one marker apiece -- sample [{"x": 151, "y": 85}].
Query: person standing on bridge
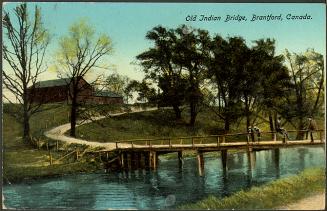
[
  {"x": 258, "y": 132},
  {"x": 312, "y": 126},
  {"x": 279, "y": 128}
]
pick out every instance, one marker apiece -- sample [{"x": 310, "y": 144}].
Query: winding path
[{"x": 58, "y": 133}]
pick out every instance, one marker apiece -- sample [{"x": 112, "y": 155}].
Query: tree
[
  {"x": 145, "y": 92},
  {"x": 192, "y": 51},
  {"x": 306, "y": 95},
  {"x": 79, "y": 53},
  {"x": 274, "y": 80},
  {"x": 24, "y": 48},
  {"x": 223, "y": 70},
  {"x": 159, "y": 66},
  {"x": 117, "y": 83}
]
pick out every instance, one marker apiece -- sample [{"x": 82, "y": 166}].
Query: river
[{"x": 166, "y": 188}]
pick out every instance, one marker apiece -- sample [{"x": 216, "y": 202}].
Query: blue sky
[{"x": 127, "y": 24}]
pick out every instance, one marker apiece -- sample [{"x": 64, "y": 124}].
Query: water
[{"x": 168, "y": 187}]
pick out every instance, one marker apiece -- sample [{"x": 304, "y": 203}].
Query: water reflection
[{"x": 167, "y": 187}]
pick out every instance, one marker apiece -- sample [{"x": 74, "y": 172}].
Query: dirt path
[
  {"x": 57, "y": 133},
  {"x": 316, "y": 202}
]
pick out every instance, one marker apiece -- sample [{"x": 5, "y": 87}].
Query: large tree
[
  {"x": 307, "y": 79},
  {"x": 24, "y": 47},
  {"x": 192, "y": 50},
  {"x": 274, "y": 80},
  {"x": 224, "y": 65},
  {"x": 159, "y": 66},
  {"x": 79, "y": 53}
]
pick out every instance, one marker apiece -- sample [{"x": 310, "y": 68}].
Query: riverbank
[
  {"x": 276, "y": 194},
  {"x": 22, "y": 161}
]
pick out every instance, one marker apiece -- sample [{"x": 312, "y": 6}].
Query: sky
[{"x": 127, "y": 24}]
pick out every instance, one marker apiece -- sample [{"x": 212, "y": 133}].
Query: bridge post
[
  {"x": 129, "y": 160},
  {"x": 180, "y": 159},
  {"x": 276, "y": 159},
  {"x": 122, "y": 160},
  {"x": 146, "y": 160},
  {"x": 251, "y": 158},
  {"x": 275, "y": 136},
  {"x": 224, "y": 159},
  {"x": 200, "y": 163},
  {"x": 142, "y": 160},
  {"x": 223, "y": 139},
  {"x": 153, "y": 160},
  {"x": 137, "y": 159}
]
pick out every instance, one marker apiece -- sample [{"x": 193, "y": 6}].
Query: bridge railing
[{"x": 212, "y": 140}]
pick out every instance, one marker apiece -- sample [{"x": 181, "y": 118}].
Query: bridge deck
[{"x": 218, "y": 147}]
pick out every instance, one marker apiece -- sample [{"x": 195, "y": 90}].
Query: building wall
[
  {"x": 48, "y": 94},
  {"x": 60, "y": 94}
]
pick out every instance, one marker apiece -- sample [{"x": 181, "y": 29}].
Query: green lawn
[
  {"x": 21, "y": 160},
  {"x": 150, "y": 124},
  {"x": 275, "y": 194}
]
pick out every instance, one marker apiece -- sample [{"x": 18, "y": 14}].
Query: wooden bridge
[{"x": 143, "y": 153}]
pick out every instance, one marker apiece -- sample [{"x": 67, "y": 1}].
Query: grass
[
  {"x": 152, "y": 124},
  {"x": 274, "y": 194},
  {"x": 162, "y": 124},
  {"x": 21, "y": 160}
]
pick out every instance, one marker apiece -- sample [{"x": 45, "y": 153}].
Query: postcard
[{"x": 161, "y": 105}]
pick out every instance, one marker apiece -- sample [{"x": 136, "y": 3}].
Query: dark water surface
[{"x": 168, "y": 187}]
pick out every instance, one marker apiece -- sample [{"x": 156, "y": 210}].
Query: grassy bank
[
  {"x": 151, "y": 124},
  {"x": 275, "y": 194},
  {"x": 21, "y": 160},
  {"x": 162, "y": 124}
]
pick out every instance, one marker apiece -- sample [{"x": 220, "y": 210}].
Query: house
[{"x": 57, "y": 90}]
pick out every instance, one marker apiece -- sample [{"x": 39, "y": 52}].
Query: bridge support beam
[
  {"x": 224, "y": 159},
  {"x": 200, "y": 163},
  {"x": 129, "y": 160},
  {"x": 275, "y": 158},
  {"x": 153, "y": 160},
  {"x": 180, "y": 159},
  {"x": 251, "y": 158}
]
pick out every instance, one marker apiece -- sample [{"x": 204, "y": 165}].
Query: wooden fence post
[
  {"x": 169, "y": 143},
  {"x": 50, "y": 157},
  {"x": 217, "y": 141},
  {"x": 275, "y": 136},
  {"x": 192, "y": 142},
  {"x": 77, "y": 154}
]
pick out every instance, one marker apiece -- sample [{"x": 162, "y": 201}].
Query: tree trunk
[
  {"x": 271, "y": 124},
  {"x": 26, "y": 126},
  {"x": 301, "y": 126},
  {"x": 73, "y": 116},
  {"x": 178, "y": 112},
  {"x": 247, "y": 113},
  {"x": 26, "y": 116},
  {"x": 193, "y": 113},
  {"x": 227, "y": 125},
  {"x": 248, "y": 124}
]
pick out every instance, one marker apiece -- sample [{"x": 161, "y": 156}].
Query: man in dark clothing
[
  {"x": 258, "y": 132},
  {"x": 312, "y": 126}
]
